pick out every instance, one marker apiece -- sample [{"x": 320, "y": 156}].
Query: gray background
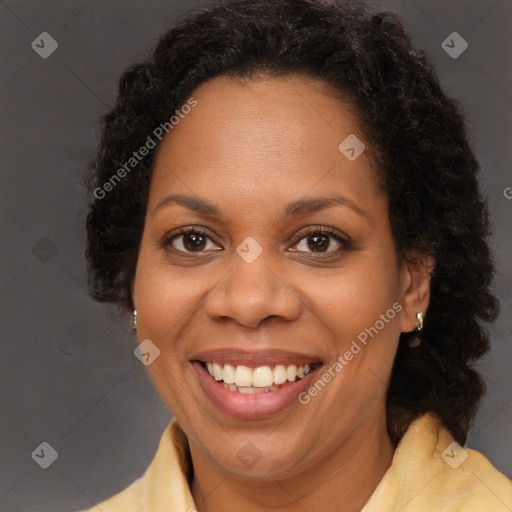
[{"x": 68, "y": 375}]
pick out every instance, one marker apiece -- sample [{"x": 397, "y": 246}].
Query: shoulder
[
  {"x": 475, "y": 483},
  {"x": 430, "y": 471},
  {"x": 164, "y": 485}
]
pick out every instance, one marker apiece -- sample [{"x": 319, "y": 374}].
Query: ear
[{"x": 415, "y": 289}]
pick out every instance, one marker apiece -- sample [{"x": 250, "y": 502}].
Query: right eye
[{"x": 190, "y": 240}]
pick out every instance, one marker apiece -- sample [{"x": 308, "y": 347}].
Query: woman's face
[{"x": 287, "y": 266}]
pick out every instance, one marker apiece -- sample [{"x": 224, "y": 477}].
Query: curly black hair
[{"x": 416, "y": 135}]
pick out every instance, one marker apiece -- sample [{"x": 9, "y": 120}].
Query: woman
[{"x": 288, "y": 204}]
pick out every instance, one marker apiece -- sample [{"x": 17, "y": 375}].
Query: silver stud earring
[
  {"x": 419, "y": 316},
  {"x": 134, "y": 324},
  {"x": 415, "y": 341}
]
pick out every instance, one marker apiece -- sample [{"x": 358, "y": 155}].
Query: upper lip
[{"x": 254, "y": 358}]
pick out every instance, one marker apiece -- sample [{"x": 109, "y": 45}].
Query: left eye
[{"x": 320, "y": 242}]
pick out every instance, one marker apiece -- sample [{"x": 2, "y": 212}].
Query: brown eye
[
  {"x": 321, "y": 241},
  {"x": 318, "y": 242},
  {"x": 194, "y": 242},
  {"x": 191, "y": 241}
]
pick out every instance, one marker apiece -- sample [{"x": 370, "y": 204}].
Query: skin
[{"x": 251, "y": 148}]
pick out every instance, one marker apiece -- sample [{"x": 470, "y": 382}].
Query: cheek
[
  {"x": 351, "y": 301},
  {"x": 166, "y": 301},
  {"x": 360, "y": 309},
  {"x": 164, "y": 297},
  {"x": 361, "y": 315}
]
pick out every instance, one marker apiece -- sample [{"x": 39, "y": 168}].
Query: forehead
[{"x": 267, "y": 134}]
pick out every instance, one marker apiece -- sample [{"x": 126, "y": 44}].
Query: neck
[{"x": 343, "y": 480}]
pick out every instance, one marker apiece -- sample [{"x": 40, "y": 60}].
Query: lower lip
[{"x": 251, "y": 406}]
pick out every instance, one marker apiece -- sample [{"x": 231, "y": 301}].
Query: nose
[{"x": 251, "y": 293}]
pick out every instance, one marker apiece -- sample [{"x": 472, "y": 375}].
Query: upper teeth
[{"x": 260, "y": 377}]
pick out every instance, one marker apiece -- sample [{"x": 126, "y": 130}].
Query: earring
[
  {"x": 134, "y": 324},
  {"x": 419, "y": 316},
  {"x": 415, "y": 341}
]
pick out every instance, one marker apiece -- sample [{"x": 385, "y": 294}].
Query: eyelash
[
  {"x": 192, "y": 230},
  {"x": 313, "y": 230},
  {"x": 322, "y": 230}
]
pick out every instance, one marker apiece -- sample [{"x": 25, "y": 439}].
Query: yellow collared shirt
[{"x": 429, "y": 473}]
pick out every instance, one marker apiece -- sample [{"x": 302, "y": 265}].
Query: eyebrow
[
  {"x": 196, "y": 204},
  {"x": 312, "y": 205},
  {"x": 299, "y": 207}
]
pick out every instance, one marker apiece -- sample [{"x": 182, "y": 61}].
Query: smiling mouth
[{"x": 261, "y": 379}]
